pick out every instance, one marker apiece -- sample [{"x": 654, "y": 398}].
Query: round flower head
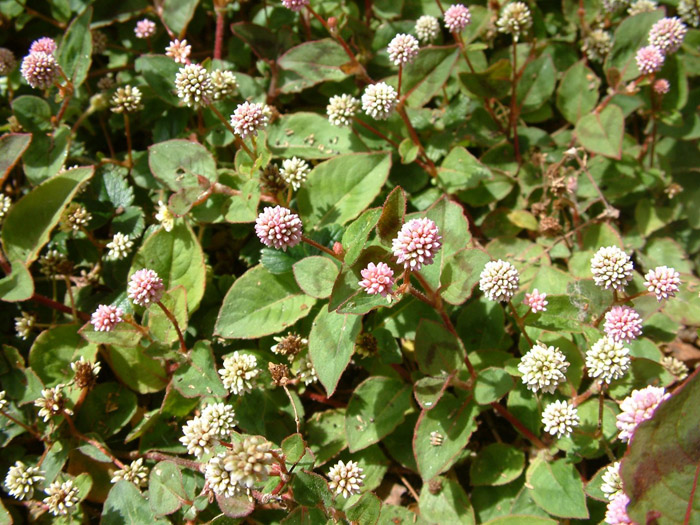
[
  {"x": 52, "y": 263},
  {"x": 377, "y": 279},
  {"x": 499, "y": 280},
  {"x": 427, "y": 28},
  {"x": 119, "y": 247},
  {"x": 126, "y": 99},
  {"x": 346, "y": 478},
  {"x": 145, "y": 287},
  {"x": 616, "y": 513},
  {"x": 239, "y": 372},
  {"x": 642, "y": 6},
  {"x": 649, "y": 59},
  {"x": 106, "y": 317},
  {"x": 198, "y": 436},
  {"x": 689, "y": 11},
  {"x": 136, "y": 473},
  {"x": 637, "y": 407},
  {"x": 623, "y": 323},
  {"x": 247, "y": 463},
  {"x": 194, "y": 85},
  {"x": 613, "y": 5},
  {"x": 43, "y": 45},
  {"x": 612, "y": 482},
  {"x": 515, "y": 19},
  {"x": 224, "y": 84},
  {"x": 179, "y": 51},
  {"x": 543, "y": 368},
  {"x": 457, "y": 17},
  {"x": 85, "y": 372},
  {"x": 661, "y": 86},
  {"x": 379, "y": 100},
  {"x": 607, "y": 360},
  {"x": 294, "y": 171},
  {"x": 597, "y": 45},
  {"x": 51, "y": 403},
  {"x": 289, "y": 345},
  {"x": 416, "y": 243},
  {"x": 62, "y": 497},
  {"x": 295, "y": 5},
  {"x": 536, "y": 301},
  {"x": 675, "y": 367},
  {"x": 221, "y": 418},
  {"x": 219, "y": 479},
  {"x": 667, "y": 34},
  {"x": 403, "y": 49},
  {"x": 278, "y": 227},
  {"x": 145, "y": 28},
  {"x": 21, "y": 480},
  {"x": 8, "y": 62},
  {"x": 248, "y": 118},
  {"x": 39, "y": 69},
  {"x": 5, "y": 203},
  {"x": 341, "y": 109},
  {"x": 611, "y": 268},
  {"x": 24, "y": 325},
  {"x": 663, "y": 282},
  {"x": 307, "y": 372},
  {"x": 559, "y": 418}
]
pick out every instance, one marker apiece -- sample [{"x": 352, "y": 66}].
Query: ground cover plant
[{"x": 332, "y": 261}]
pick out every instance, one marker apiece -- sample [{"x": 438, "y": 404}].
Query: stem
[
  {"x": 219, "y": 38},
  {"x": 236, "y": 138},
  {"x": 518, "y": 425},
  {"x": 432, "y": 170},
  {"x": 320, "y": 247},
  {"x": 171, "y": 317},
  {"x": 41, "y": 299},
  {"x": 294, "y": 407},
  {"x": 520, "y": 323},
  {"x": 375, "y": 131},
  {"x": 127, "y": 129},
  {"x": 159, "y": 456},
  {"x": 689, "y": 508},
  {"x": 23, "y": 425},
  {"x": 654, "y": 108},
  {"x": 70, "y": 297},
  {"x": 91, "y": 441},
  {"x": 320, "y": 398},
  {"x": 68, "y": 95},
  {"x": 400, "y": 76},
  {"x": 513, "y": 104}
]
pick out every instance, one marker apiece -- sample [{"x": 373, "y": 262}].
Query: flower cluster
[
  {"x": 119, "y": 247},
  {"x": 179, "y": 51},
  {"x": 607, "y": 360},
  {"x": 379, "y": 100},
  {"x": 40, "y": 69},
  {"x": 416, "y": 243},
  {"x": 457, "y": 17},
  {"x": 611, "y": 268},
  {"x": 62, "y": 497},
  {"x": 427, "y": 28},
  {"x": 403, "y": 49},
  {"x": 346, "y": 478},
  {"x": 248, "y": 119},
  {"x": 515, "y": 19},
  {"x": 21, "y": 480},
  {"x": 194, "y": 85},
  {"x": 377, "y": 279},
  {"x": 622, "y": 323},
  {"x": 279, "y": 228},
  {"x": 145, "y": 28},
  {"x": 560, "y": 418},
  {"x": 294, "y": 171},
  {"x": 126, "y": 99},
  {"x": 536, "y": 301},
  {"x": 247, "y": 463},
  {"x": 145, "y": 287},
  {"x": 663, "y": 282},
  {"x": 637, "y": 407},
  {"x": 341, "y": 109},
  {"x": 239, "y": 372},
  {"x": 136, "y": 473},
  {"x": 543, "y": 368},
  {"x": 499, "y": 280}
]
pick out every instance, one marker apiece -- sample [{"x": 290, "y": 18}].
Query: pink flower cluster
[
  {"x": 536, "y": 301},
  {"x": 663, "y": 281},
  {"x": 637, "y": 407},
  {"x": 295, "y": 5},
  {"x": 623, "y": 323},
  {"x": 106, "y": 317},
  {"x": 278, "y": 227},
  {"x": 616, "y": 513},
  {"x": 145, "y": 287},
  {"x": 457, "y": 17},
  {"x": 416, "y": 244},
  {"x": 378, "y": 279}
]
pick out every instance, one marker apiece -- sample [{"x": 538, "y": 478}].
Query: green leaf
[
  {"x": 12, "y": 146},
  {"x": 338, "y": 190},
  {"x": 166, "y": 487},
  {"x": 536, "y": 83},
  {"x": 126, "y": 504},
  {"x": 331, "y": 344},
  {"x": 661, "y": 466},
  {"x": 491, "y": 385},
  {"x": 393, "y": 214},
  {"x": 520, "y": 519},
  {"x": 557, "y": 488},
  {"x": 198, "y": 377},
  {"x": 630, "y": 35},
  {"x": 366, "y": 510},
  {"x": 159, "y": 72},
  {"x": 294, "y": 448},
  {"x": 178, "y": 164},
  {"x": 461, "y": 170},
  {"x": 260, "y": 303},
  {"x": 305, "y": 516},
  {"x": 496, "y": 464},
  {"x": 178, "y": 13},
  {"x": 326, "y": 434},
  {"x": 119, "y": 190},
  {"x": 177, "y": 258},
  {"x": 107, "y": 408},
  {"x": 310, "y": 136},
  {"x": 33, "y": 113},
  {"x": 311, "y": 489},
  {"x": 136, "y": 369},
  {"x": 238, "y": 506},
  {"x": 123, "y": 334},
  {"x": 449, "y": 505},
  {"x": 311, "y": 63},
  {"x": 29, "y": 221},
  {"x": 577, "y": 94},
  {"x": 437, "y": 350},
  {"x": 408, "y": 151},
  {"x": 46, "y": 154},
  {"x": 55, "y": 349},
  {"x": 243, "y": 207},
  {"x": 602, "y": 132},
  {"x": 376, "y": 408},
  {"x": 455, "y": 420},
  {"x": 18, "y": 286},
  {"x": 316, "y": 275},
  {"x": 159, "y": 324},
  {"x": 427, "y": 74},
  {"x": 357, "y": 232},
  {"x": 74, "y": 54},
  {"x": 493, "y": 82},
  {"x": 461, "y": 273}
]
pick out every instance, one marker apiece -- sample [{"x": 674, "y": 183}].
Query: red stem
[
  {"x": 219, "y": 40},
  {"x": 517, "y": 424},
  {"x": 41, "y": 299},
  {"x": 689, "y": 508},
  {"x": 171, "y": 317}
]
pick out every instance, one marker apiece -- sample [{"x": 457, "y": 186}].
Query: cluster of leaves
[{"x": 522, "y": 149}]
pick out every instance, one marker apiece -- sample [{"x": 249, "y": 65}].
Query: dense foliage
[{"x": 332, "y": 261}]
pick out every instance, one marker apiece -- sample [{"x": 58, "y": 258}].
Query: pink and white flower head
[
  {"x": 457, "y": 17},
  {"x": 416, "y": 244},
  {"x": 616, "y": 513},
  {"x": 43, "y": 45},
  {"x": 179, "y": 51},
  {"x": 279, "y": 228},
  {"x": 649, "y": 59},
  {"x": 611, "y": 268},
  {"x": 623, "y": 323},
  {"x": 536, "y": 301},
  {"x": 40, "y": 69},
  {"x": 377, "y": 279},
  {"x": 403, "y": 49},
  {"x": 663, "y": 281},
  {"x": 667, "y": 34},
  {"x": 106, "y": 317},
  {"x": 379, "y": 100},
  {"x": 145, "y": 287},
  {"x": 637, "y": 407},
  {"x": 145, "y": 28},
  {"x": 661, "y": 86},
  {"x": 295, "y": 5},
  {"x": 249, "y": 118},
  {"x": 499, "y": 280}
]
